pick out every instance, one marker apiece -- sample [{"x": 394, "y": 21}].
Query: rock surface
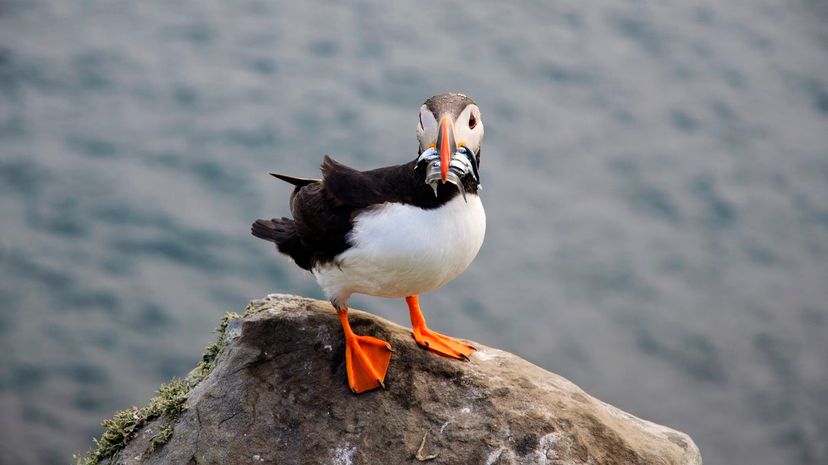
[{"x": 279, "y": 395}]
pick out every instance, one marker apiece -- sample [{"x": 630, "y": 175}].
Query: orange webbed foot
[
  {"x": 442, "y": 344},
  {"x": 366, "y": 360},
  {"x": 432, "y": 340}
]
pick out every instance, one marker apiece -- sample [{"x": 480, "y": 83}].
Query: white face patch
[
  {"x": 468, "y": 128},
  {"x": 426, "y": 129}
]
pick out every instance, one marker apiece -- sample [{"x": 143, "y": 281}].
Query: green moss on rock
[
  {"x": 168, "y": 403},
  {"x": 211, "y": 353},
  {"x": 164, "y": 435}
]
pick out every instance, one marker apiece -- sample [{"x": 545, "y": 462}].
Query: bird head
[{"x": 450, "y": 132}]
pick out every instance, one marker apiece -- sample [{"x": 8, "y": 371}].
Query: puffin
[{"x": 394, "y": 232}]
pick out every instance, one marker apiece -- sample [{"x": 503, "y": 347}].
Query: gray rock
[{"x": 279, "y": 395}]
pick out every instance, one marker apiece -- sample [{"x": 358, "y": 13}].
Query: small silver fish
[{"x": 462, "y": 164}]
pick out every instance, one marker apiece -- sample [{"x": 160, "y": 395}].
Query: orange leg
[
  {"x": 366, "y": 358},
  {"x": 433, "y": 340}
]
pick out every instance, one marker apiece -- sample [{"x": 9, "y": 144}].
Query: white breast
[{"x": 400, "y": 250}]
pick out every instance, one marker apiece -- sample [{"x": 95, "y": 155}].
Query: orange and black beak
[{"x": 446, "y": 145}]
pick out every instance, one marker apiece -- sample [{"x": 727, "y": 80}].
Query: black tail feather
[
  {"x": 298, "y": 182},
  {"x": 282, "y": 232}
]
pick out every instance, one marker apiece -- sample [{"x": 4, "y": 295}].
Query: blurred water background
[{"x": 655, "y": 172}]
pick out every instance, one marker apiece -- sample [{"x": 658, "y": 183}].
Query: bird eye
[
  {"x": 472, "y": 121},
  {"x": 421, "y": 122}
]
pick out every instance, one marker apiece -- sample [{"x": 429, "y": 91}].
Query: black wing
[{"x": 323, "y": 210}]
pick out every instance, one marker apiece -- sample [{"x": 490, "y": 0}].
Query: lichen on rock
[
  {"x": 168, "y": 404},
  {"x": 273, "y": 390}
]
